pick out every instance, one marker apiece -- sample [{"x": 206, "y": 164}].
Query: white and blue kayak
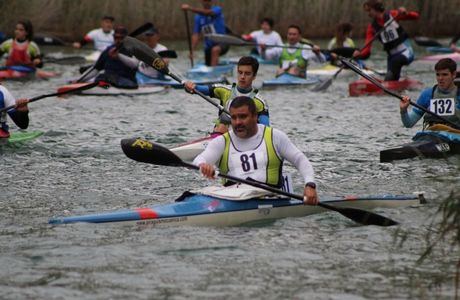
[
  {"x": 290, "y": 80},
  {"x": 239, "y": 207},
  {"x": 201, "y": 70},
  {"x": 112, "y": 90},
  {"x": 144, "y": 80}
]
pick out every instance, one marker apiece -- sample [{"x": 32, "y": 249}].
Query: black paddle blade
[
  {"x": 168, "y": 53},
  {"x": 361, "y": 216},
  {"x": 141, "y": 29},
  {"x": 143, "y": 52},
  {"x": 323, "y": 85},
  {"x": 151, "y": 153},
  {"x": 426, "y": 42},
  {"x": 344, "y": 51}
]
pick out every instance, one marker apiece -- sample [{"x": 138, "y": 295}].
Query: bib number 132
[
  {"x": 246, "y": 162},
  {"x": 442, "y": 107}
]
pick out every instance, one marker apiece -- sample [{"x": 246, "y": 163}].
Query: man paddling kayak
[
  {"x": 20, "y": 114},
  {"x": 208, "y": 19},
  {"x": 101, "y": 37},
  {"x": 294, "y": 61},
  {"x": 265, "y": 36},
  {"x": 21, "y": 50},
  {"x": 153, "y": 38},
  {"x": 442, "y": 99},
  {"x": 394, "y": 38},
  {"x": 252, "y": 150},
  {"x": 247, "y": 71},
  {"x": 119, "y": 69}
]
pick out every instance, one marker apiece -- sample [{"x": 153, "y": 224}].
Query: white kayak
[
  {"x": 190, "y": 150},
  {"x": 112, "y": 91},
  {"x": 93, "y": 56}
]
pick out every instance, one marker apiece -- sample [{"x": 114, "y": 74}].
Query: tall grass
[{"x": 71, "y": 19}]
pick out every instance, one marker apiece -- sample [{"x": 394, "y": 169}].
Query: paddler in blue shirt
[
  {"x": 119, "y": 69},
  {"x": 255, "y": 151},
  {"x": 442, "y": 99},
  {"x": 247, "y": 71},
  {"x": 294, "y": 61},
  {"x": 208, "y": 20},
  {"x": 20, "y": 114}
]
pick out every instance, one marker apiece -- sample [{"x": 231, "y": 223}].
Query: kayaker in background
[
  {"x": 342, "y": 37},
  {"x": 247, "y": 71},
  {"x": 152, "y": 40},
  {"x": 21, "y": 50},
  {"x": 453, "y": 43},
  {"x": 100, "y": 37},
  {"x": 442, "y": 99},
  {"x": 265, "y": 36},
  {"x": 20, "y": 114},
  {"x": 118, "y": 69},
  {"x": 394, "y": 38},
  {"x": 294, "y": 61},
  {"x": 208, "y": 20},
  {"x": 252, "y": 150}
]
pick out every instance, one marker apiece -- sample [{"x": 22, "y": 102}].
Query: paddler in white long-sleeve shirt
[{"x": 252, "y": 150}]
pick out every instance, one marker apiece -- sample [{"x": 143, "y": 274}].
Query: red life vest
[{"x": 19, "y": 54}]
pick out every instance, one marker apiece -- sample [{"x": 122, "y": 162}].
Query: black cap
[
  {"x": 152, "y": 31},
  {"x": 120, "y": 30}
]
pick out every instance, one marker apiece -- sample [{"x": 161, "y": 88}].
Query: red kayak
[
  {"x": 14, "y": 74},
  {"x": 363, "y": 87}
]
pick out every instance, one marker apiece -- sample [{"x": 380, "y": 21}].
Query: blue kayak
[
  {"x": 198, "y": 209},
  {"x": 439, "y": 50},
  {"x": 200, "y": 70},
  {"x": 143, "y": 80},
  {"x": 290, "y": 80},
  {"x": 425, "y": 144}
]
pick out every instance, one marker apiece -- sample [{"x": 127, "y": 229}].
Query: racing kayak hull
[
  {"x": 202, "y": 71},
  {"x": 364, "y": 87},
  {"x": 204, "y": 210},
  {"x": 111, "y": 90},
  {"x": 190, "y": 150},
  {"x": 425, "y": 144},
  {"x": 290, "y": 80},
  {"x": 19, "y": 137}
]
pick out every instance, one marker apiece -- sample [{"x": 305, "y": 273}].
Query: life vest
[
  {"x": 296, "y": 58},
  {"x": 19, "y": 54},
  {"x": 393, "y": 35},
  {"x": 261, "y": 164},
  {"x": 444, "y": 105}
]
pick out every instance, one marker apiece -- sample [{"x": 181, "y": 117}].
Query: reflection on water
[{"x": 78, "y": 166}]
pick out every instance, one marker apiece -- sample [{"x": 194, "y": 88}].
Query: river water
[{"x": 77, "y": 167}]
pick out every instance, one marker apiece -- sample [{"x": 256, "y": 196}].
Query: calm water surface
[{"x": 78, "y": 166}]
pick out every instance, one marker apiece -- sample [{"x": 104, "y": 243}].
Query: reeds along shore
[{"x": 318, "y": 18}]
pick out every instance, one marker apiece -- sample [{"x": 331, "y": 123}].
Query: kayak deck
[
  {"x": 211, "y": 211},
  {"x": 290, "y": 80},
  {"x": 111, "y": 90},
  {"x": 364, "y": 87}
]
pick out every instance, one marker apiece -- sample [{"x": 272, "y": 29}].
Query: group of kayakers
[{"x": 251, "y": 149}]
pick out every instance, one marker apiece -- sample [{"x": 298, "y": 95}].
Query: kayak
[
  {"x": 363, "y": 87},
  {"x": 290, "y": 80},
  {"x": 190, "y": 150},
  {"x": 329, "y": 70},
  {"x": 143, "y": 79},
  {"x": 93, "y": 56},
  {"x": 436, "y": 58},
  {"x": 439, "y": 49},
  {"x": 23, "y": 72},
  {"x": 201, "y": 70},
  {"x": 213, "y": 209},
  {"x": 425, "y": 144},
  {"x": 111, "y": 90},
  {"x": 19, "y": 137}
]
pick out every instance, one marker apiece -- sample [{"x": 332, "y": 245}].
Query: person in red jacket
[{"x": 394, "y": 38}]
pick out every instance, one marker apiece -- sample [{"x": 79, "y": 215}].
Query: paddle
[
  {"x": 144, "y": 53},
  {"x": 134, "y": 33},
  {"x": 189, "y": 38},
  {"x": 394, "y": 94},
  {"x": 151, "y": 153},
  {"x": 68, "y": 60},
  {"x": 426, "y": 42},
  {"x": 168, "y": 54},
  {"x": 80, "y": 88},
  {"x": 322, "y": 86}
]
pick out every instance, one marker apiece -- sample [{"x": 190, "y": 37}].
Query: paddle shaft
[
  {"x": 82, "y": 88},
  {"x": 189, "y": 38},
  {"x": 134, "y": 33},
  {"x": 394, "y": 94}
]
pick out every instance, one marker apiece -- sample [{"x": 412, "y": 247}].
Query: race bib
[
  {"x": 389, "y": 35},
  {"x": 286, "y": 64},
  {"x": 443, "y": 106},
  {"x": 208, "y": 29}
]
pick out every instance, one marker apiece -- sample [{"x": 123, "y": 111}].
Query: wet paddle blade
[
  {"x": 147, "y": 152},
  {"x": 168, "y": 54},
  {"x": 426, "y": 42},
  {"x": 141, "y": 29},
  {"x": 361, "y": 216},
  {"x": 143, "y": 52},
  {"x": 323, "y": 85}
]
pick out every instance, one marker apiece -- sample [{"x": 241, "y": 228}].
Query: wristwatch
[{"x": 311, "y": 184}]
